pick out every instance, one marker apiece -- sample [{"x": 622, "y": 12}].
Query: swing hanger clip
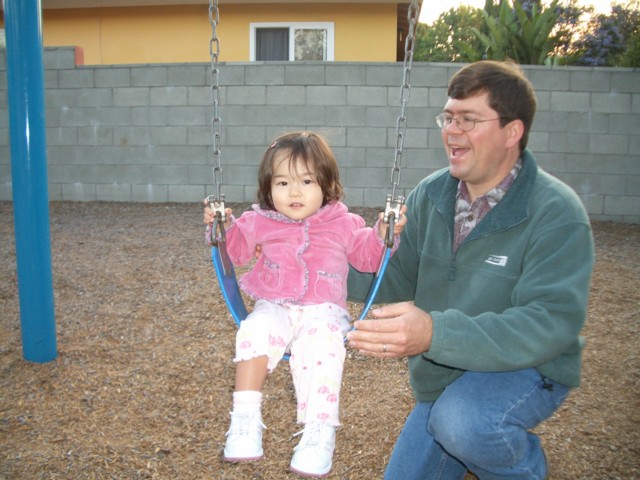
[
  {"x": 220, "y": 217},
  {"x": 391, "y": 215}
]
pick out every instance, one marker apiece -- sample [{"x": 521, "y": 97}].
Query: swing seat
[{"x": 228, "y": 283}]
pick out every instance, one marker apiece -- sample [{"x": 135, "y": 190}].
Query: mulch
[{"x": 141, "y": 387}]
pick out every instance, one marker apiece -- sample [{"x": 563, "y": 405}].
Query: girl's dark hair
[
  {"x": 510, "y": 92},
  {"x": 303, "y": 148}
]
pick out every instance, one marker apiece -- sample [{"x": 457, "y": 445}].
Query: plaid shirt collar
[{"x": 468, "y": 214}]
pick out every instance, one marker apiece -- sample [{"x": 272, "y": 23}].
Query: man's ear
[{"x": 515, "y": 131}]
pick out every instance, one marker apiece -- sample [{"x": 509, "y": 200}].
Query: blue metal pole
[{"x": 27, "y": 137}]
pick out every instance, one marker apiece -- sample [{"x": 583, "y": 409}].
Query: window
[{"x": 291, "y": 42}]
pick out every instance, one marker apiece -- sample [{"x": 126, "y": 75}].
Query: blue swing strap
[
  {"x": 391, "y": 214},
  {"x": 222, "y": 263}
]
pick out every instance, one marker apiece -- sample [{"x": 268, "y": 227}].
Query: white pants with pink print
[{"x": 314, "y": 336}]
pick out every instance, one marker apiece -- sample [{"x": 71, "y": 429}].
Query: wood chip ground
[{"x": 141, "y": 387}]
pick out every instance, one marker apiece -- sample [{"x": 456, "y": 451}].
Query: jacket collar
[{"x": 512, "y": 210}]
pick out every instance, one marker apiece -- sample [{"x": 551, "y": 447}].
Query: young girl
[{"x": 306, "y": 238}]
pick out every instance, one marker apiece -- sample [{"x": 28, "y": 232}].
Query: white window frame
[{"x": 293, "y": 26}]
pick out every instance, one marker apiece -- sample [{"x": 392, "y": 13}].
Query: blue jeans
[{"x": 480, "y": 423}]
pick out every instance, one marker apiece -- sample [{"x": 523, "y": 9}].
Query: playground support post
[{"x": 27, "y": 138}]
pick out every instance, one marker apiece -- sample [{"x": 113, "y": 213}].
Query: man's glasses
[{"x": 464, "y": 123}]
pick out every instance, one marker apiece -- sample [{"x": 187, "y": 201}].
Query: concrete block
[
  {"x": 611, "y": 102},
  {"x": 594, "y": 204},
  {"x": 127, "y": 136},
  {"x": 149, "y": 76},
  {"x": 249, "y": 135},
  {"x": 543, "y": 99},
  {"x": 115, "y": 192},
  {"x": 59, "y": 57},
  {"x": 419, "y": 97},
  {"x": 384, "y": 75},
  {"x": 50, "y": 79},
  {"x": 132, "y": 174},
  {"x": 590, "y": 80},
  {"x": 609, "y": 144},
  {"x": 625, "y": 124},
  {"x": 366, "y": 137},
  {"x": 553, "y": 79},
  {"x": 438, "y": 97},
  {"x": 200, "y": 96},
  {"x": 586, "y": 185},
  {"x": 346, "y": 116},
  {"x": 632, "y": 184},
  {"x": 169, "y": 175},
  {"x": 570, "y": 101},
  {"x": 167, "y": 96},
  {"x": 366, "y": 96},
  {"x": 266, "y": 75},
  {"x": 568, "y": 142},
  {"x": 61, "y": 98},
  {"x": 168, "y": 135},
  {"x": 95, "y": 135},
  {"x": 326, "y": 95},
  {"x": 365, "y": 177},
  {"x": 76, "y": 78},
  {"x": 150, "y": 116},
  {"x": 538, "y": 141},
  {"x": 112, "y": 77},
  {"x": 353, "y": 197},
  {"x": 199, "y": 135},
  {"x": 94, "y": 97},
  {"x": 108, "y": 116},
  {"x": 150, "y": 193},
  {"x": 78, "y": 192},
  {"x": 131, "y": 97},
  {"x": 188, "y": 75},
  {"x": 285, "y": 95},
  {"x": 304, "y": 74},
  {"x": 635, "y": 103},
  {"x": 6, "y": 192},
  {"x": 589, "y": 122},
  {"x": 621, "y": 205},
  {"x": 234, "y": 74},
  {"x": 345, "y": 74},
  {"x": 186, "y": 193},
  {"x": 188, "y": 115},
  {"x": 427, "y": 75},
  {"x": 246, "y": 95},
  {"x": 625, "y": 80}
]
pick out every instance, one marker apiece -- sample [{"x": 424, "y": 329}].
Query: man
[{"x": 494, "y": 270}]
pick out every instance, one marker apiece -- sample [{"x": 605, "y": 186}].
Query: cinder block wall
[{"x": 142, "y": 133}]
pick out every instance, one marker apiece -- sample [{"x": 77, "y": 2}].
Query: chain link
[
  {"x": 405, "y": 93},
  {"x": 216, "y": 122}
]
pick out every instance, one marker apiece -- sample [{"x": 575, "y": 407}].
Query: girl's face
[{"x": 296, "y": 193}]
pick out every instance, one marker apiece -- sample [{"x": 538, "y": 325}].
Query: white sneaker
[
  {"x": 313, "y": 456},
  {"x": 244, "y": 438}
]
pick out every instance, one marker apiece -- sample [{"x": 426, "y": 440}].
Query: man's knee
[{"x": 458, "y": 425}]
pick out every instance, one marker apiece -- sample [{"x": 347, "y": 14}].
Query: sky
[{"x": 431, "y": 9}]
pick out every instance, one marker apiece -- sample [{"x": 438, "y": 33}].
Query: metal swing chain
[
  {"x": 216, "y": 202},
  {"x": 394, "y": 203}
]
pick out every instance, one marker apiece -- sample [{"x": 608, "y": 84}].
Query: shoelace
[
  {"x": 311, "y": 435},
  {"x": 241, "y": 423}
]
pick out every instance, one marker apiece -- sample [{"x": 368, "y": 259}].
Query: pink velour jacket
[{"x": 303, "y": 261}]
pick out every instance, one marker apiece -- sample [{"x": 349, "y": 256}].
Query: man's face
[{"x": 484, "y": 154}]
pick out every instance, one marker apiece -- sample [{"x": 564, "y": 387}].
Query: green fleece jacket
[{"x": 514, "y": 295}]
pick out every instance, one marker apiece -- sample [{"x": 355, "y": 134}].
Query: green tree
[
  {"x": 522, "y": 32},
  {"x": 611, "y": 39},
  {"x": 450, "y": 38}
]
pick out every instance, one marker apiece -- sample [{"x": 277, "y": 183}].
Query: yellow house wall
[{"x": 363, "y": 32}]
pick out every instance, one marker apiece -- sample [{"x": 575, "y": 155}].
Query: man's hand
[{"x": 398, "y": 330}]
